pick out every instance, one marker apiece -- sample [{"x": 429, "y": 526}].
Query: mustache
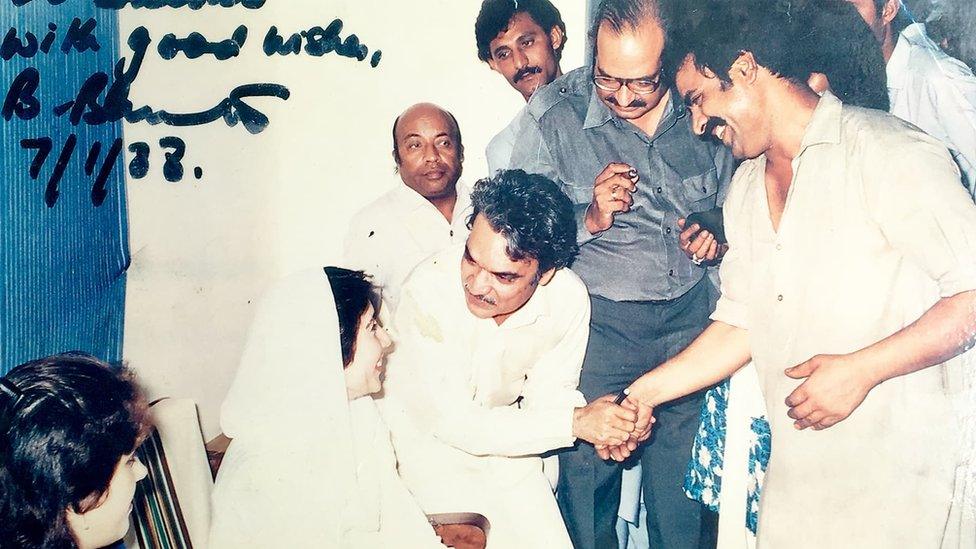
[
  {"x": 637, "y": 102},
  {"x": 712, "y": 123},
  {"x": 481, "y": 298},
  {"x": 527, "y": 71}
]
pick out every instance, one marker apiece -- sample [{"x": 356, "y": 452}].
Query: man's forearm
[
  {"x": 713, "y": 356},
  {"x": 945, "y": 330}
]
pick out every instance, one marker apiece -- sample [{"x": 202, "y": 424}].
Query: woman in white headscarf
[{"x": 311, "y": 464}]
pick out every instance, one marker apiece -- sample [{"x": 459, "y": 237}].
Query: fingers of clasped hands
[
  {"x": 625, "y": 437},
  {"x": 612, "y": 194},
  {"x": 698, "y": 244}
]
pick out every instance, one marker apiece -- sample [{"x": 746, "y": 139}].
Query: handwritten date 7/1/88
[{"x": 138, "y": 166}]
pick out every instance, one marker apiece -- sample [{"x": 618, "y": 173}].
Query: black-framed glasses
[{"x": 640, "y": 86}]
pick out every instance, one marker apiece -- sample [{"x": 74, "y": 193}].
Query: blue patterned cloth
[{"x": 704, "y": 479}]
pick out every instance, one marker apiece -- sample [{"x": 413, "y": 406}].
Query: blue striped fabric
[
  {"x": 62, "y": 267},
  {"x": 156, "y": 512}
]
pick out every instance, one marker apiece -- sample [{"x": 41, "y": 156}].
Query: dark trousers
[{"x": 626, "y": 340}]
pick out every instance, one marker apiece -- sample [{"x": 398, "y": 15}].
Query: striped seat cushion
[{"x": 156, "y": 515}]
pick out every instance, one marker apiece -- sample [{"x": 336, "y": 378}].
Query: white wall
[{"x": 272, "y": 203}]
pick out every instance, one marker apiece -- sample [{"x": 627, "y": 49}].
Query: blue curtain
[{"x": 63, "y": 251}]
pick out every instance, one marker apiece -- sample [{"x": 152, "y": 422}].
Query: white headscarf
[{"x": 301, "y": 470}]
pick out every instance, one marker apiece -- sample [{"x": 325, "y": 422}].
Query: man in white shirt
[
  {"x": 926, "y": 86},
  {"x": 522, "y": 40},
  {"x": 425, "y": 214},
  {"x": 849, "y": 282},
  {"x": 491, "y": 337}
]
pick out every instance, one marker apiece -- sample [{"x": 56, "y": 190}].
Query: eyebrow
[
  {"x": 645, "y": 77},
  {"x": 501, "y": 274},
  {"x": 417, "y": 135}
]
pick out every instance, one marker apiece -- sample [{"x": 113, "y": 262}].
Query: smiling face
[
  {"x": 495, "y": 286},
  {"x": 428, "y": 152},
  {"x": 525, "y": 54},
  {"x": 108, "y": 521},
  {"x": 729, "y": 113},
  {"x": 365, "y": 371},
  {"x": 633, "y": 54}
]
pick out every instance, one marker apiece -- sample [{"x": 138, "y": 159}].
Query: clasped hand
[{"x": 615, "y": 430}]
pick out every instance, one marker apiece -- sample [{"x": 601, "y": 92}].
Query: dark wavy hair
[
  {"x": 832, "y": 39},
  {"x": 65, "y": 422},
  {"x": 533, "y": 215},
  {"x": 496, "y": 14},
  {"x": 717, "y": 32},
  {"x": 353, "y": 293}
]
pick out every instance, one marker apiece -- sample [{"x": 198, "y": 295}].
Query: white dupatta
[{"x": 302, "y": 468}]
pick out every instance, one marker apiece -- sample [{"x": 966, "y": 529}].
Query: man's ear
[
  {"x": 818, "y": 82},
  {"x": 889, "y": 11},
  {"x": 556, "y": 37},
  {"x": 547, "y": 276},
  {"x": 744, "y": 68},
  {"x": 396, "y": 161}
]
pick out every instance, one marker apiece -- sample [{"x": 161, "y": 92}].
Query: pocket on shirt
[{"x": 700, "y": 191}]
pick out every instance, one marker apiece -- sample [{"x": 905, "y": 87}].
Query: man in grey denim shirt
[{"x": 620, "y": 143}]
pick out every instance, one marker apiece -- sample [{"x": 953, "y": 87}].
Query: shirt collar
[
  {"x": 413, "y": 202},
  {"x": 824, "y": 127},
  {"x": 898, "y": 63},
  {"x": 597, "y": 112}
]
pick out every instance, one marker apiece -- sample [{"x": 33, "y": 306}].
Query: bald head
[
  {"x": 428, "y": 151},
  {"x": 425, "y": 109}
]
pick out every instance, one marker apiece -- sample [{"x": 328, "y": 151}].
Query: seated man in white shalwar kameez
[{"x": 492, "y": 336}]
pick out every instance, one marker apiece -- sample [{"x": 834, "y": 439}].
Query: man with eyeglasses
[{"x": 619, "y": 142}]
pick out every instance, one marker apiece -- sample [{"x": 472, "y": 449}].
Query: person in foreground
[
  {"x": 849, "y": 281},
  {"x": 310, "y": 463},
  {"x": 69, "y": 425},
  {"x": 483, "y": 381}
]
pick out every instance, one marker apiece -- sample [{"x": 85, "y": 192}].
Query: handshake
[{"x": 615, "y": 429}]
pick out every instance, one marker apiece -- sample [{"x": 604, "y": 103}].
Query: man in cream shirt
[
  {"x": 426, "y": 214},
  {"x": 849, "y": 282},
  {"x": 491, "y": 342}
]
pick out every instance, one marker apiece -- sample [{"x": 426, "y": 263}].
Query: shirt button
[
  {"x": 779, "y": 297},
  {"x": 452, "y": 232},
  {"x": 659, "y": 189},
  {"x": 779, "y": 247},
  {"x": 704, "y": 190},
  {"x": 668, "y": 230},
  {"x": 562, "y": 90},
  {"x": 671, "y": 272}
]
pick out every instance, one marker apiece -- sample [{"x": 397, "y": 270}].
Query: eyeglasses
[{"x": 640, "y": 86}]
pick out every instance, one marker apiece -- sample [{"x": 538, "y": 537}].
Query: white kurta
[
  {"x": 937, "y": 93},
  {"x": 876, "y": 229},
  {"x": 398, "y": 230},
  {"x": 471, "y": 404}
]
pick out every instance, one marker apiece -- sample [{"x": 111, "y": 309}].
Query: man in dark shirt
[{"x": 619, "y": 141}]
